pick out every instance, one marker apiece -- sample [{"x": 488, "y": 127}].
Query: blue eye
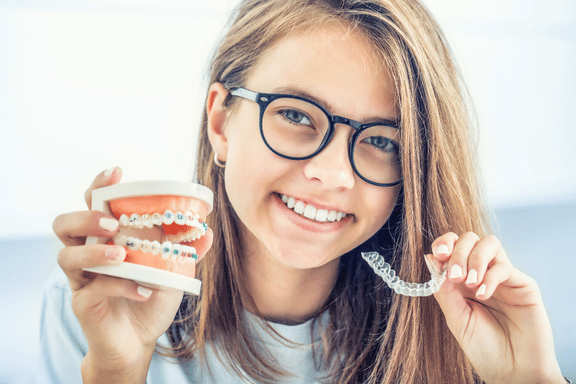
[
  {"x": 381, "y": 143},
  {"x": 296, "y": 117}
]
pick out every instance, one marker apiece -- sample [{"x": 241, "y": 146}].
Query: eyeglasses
[{"x": 296, "y": 128}]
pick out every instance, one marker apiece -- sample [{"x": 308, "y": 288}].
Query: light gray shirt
[{"x": 63, "y": 346}]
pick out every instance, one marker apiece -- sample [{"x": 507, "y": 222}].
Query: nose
[{"x": 332, "y": 165}]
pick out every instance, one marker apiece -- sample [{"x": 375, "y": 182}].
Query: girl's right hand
[{"x": 120, "y": 319}]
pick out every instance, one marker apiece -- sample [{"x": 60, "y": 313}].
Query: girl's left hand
[{"x": 495, "y": 312}]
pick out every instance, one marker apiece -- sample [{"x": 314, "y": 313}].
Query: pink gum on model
[{"x": 165, "y": 232}]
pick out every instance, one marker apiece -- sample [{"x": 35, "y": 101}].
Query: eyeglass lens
[{"x": 296, "y": 128}]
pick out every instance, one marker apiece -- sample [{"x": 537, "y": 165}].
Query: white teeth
[
  {"x": 321, "y": 215},
  {"x": 147, "y": 220},
  {"x": 124, "y": 221},
  {"x": 170, "y": 248},
  {"x": 176, "y": 250},
  {"x": 156, "y": 218},
  {"x": 168, "y": 217},
  {"x": 299, "y": 207},
  {"x": 136, "y": 221},
  {"x": 311, "y": 212},
  {"x": 198, "y": 227},
  {"x": 189, "y": 218},
  {"x": 145, "y": 247},
  {"x": 180, "y": 219},
  {"x": 166, "y": 249},
  {"x": 155, "y": 247}
]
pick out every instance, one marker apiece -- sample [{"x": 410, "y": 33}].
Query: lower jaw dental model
[
  {"x": 163, "y": 228},
  {"x": 385, "y": 271}
]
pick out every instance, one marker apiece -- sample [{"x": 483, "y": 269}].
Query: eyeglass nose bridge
[
  {"x": 335, "y": 119},
  {"x": 343, "y": 120}
]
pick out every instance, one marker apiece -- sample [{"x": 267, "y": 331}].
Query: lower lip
[{"x": 307, "y": 224}]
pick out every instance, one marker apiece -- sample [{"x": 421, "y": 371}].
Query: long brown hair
[{"x": 372, "y": 335}]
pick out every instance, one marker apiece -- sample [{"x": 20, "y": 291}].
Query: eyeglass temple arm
[{"x": 244, "y": 93}]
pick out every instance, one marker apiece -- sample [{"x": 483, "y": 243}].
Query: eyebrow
[{"x": 294, "y": 91}]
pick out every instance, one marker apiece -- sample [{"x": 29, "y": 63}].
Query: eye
[
  {"x": 296, "y": 116},
  {"x": 382, "y": 143}
]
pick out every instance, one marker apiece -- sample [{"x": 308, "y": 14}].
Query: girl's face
[{"x": 336, "y": 67}]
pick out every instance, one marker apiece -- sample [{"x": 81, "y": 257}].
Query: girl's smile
[{"x": 312, "y": 217}]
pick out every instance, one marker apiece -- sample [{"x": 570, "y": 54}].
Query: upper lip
[{"x": 315, "y": 203}]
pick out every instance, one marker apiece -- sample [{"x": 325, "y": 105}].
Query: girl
[{"x": 330, "y": 127}]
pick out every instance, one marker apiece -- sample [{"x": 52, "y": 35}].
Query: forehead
[{"x": 333, "y": 63}]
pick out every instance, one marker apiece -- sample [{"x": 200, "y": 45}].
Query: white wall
[{"x": 86, "y": 85}]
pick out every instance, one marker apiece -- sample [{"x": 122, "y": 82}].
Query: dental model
[
  {"x": 385, "y": 271},
  {"x": 163, "y": 228}
]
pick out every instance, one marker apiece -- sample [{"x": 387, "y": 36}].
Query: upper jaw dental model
[{"x": 163, "y": 228}]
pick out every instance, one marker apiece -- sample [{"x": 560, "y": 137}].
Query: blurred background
[{"x": 90, "y": 84}]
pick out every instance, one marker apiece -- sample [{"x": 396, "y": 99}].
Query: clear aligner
[{"x": 385, "y": 271}]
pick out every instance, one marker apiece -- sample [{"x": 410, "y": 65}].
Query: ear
[{"x": 217, "y": 114}]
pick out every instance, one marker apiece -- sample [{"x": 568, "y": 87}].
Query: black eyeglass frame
[{"x": 264, "y": 99}]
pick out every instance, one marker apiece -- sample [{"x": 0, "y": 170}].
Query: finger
[
  {"x": 104, "y": 179},
  {"x": 72, "y": 228},
  {"x": 494, "y": 276},
  {"x": 442, "y": 246},
  {"x": 73, "y": 259},
  {"x": 486, "y": 252},
  {"x": 458, "y": 263},
  {"x": 87, "y": 302}
]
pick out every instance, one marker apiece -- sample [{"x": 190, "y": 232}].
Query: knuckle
[
  {"x": 57, "y": 224},
  {"x": 62, "y": 257},
  {"x": 88, "y": 197},
  {"x": 492, "y": 239},
  {"x": 448, "y": 236},
  {"x": 472, "y": 235}
]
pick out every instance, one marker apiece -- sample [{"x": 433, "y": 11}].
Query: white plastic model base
[
  {"x": 150, "y": 277},
  {"x": 385, "y": 271},
  {"x": 145, "y": 275}
]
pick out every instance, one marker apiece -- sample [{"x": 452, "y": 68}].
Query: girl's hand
[
  {"x": 120, "y": 319},
  {"x": 495, "y": 312}
]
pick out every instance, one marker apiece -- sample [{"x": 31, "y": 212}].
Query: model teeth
[
  {"x": 311, "y": 212},
  {"x": 167, "y": 249},
  {"x": 197, "y": 230}
]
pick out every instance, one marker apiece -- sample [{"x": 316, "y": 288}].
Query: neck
[{"x": 285, "y": 294}]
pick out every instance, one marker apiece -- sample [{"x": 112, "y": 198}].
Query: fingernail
[
  {"x": 109, "y": 171},
  {"x": 108, "y": 224},
  {"x": 482, "y": 290},
  {"x": 115, "y": 253},
  {"x": 144, "y": 292},
  {"x": 442, "y": 250},
  {"x": 455, "y": 272},
  {"x": 472, "y": 276}
]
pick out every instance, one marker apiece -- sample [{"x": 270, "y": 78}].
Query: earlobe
[{"x": 217, "y": 114}]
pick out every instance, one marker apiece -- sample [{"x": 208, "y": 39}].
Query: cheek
[{"x": 384, "y": 203}]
